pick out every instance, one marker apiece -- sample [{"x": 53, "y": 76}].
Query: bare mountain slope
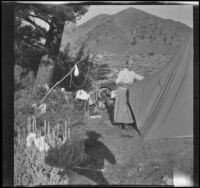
[
  {"x": 130, "y": 31},
  {"x": 71, "y": 37}
]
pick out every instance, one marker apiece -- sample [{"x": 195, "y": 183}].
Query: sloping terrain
[
  {"x": 117, "y": 156},
  {"x": 130, "y": 31},
  {"x": 77, "y": 32}
]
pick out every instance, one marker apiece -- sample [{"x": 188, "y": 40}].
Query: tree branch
[
  {"x": 40, "y": 17},
  {"x": 62, "y": 79},
  {"x": 35, "y": 25}
]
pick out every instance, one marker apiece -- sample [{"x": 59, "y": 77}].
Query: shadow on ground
[
  {"x": 90, "y": 168},
  {"x": 93, "y": 166}
]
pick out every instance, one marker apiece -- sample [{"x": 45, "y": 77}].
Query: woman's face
[{"x": 130, "y": 64}]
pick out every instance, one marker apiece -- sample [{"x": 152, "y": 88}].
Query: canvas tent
[{"x": 162, "y": 103}]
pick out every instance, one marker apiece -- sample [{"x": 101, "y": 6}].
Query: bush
[
  {"x": 23, "y": 78},
  {"x": 65, "y": 61},
  {"x": 29, "y": 166},
  {"x": 37, "y": 168},
  {"x": 32, "y": 167},
  {"x": 22, "y": 107},
  {"x": 28, "y": 57},
  {"x": 60, "y": 107}
]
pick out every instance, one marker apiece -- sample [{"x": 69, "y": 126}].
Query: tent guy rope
[{"x": 61, "y": 80}]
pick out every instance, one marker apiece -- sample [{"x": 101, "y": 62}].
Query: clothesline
[
  {"x": 61, "y": 79},
  {"x": 79, "y": 86}
]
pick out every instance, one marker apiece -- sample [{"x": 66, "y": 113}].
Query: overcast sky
[{"x": 182, "y": 13}]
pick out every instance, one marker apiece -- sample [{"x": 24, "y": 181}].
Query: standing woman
[{"x": 126, "y": 77}]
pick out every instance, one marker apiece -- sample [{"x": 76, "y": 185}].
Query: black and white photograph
[{"x": 103, "y": 94}]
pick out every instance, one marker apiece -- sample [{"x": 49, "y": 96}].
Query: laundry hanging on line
[
  {"x": 83, "y": 95},
  {"x": 39, "y": 142}
]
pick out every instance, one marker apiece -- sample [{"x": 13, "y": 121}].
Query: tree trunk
[
  {"x": 45, "y": 72},
  {"x": 47, "y": 64},
  {"x": 53, "y": 40}
]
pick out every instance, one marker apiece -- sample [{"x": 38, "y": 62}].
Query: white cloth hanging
[
  {"x": 30, "y": 139},
  {"x": 81, "y": 94},
  {"x": 39, "y": 142},
  {"x": 76, "y": 72}
]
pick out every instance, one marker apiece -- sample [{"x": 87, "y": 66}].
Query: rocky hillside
[
  {"x": 72, "y": 33},
  {"x": 150, "y": 40},
  {"x": 130, "y": 31}
]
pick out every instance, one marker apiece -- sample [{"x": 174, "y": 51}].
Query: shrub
[
  {"x": 65, "y": 61},
  {"x": 23, "y": 78},
  {"x": 60, "y": 106},
  {"x": 22, "y": 107},
  {"x": 31, "y": 166}
]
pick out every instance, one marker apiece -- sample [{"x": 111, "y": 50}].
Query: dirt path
[{"x": 119, "y": 156}]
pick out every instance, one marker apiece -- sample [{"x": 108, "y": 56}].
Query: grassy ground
[{"x": 117, "y": 156}]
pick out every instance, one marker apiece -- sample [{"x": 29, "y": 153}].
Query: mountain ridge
[{"x": 128, "y": 31}]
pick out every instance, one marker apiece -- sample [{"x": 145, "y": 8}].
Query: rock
[{"x": 167, "y": 180}]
